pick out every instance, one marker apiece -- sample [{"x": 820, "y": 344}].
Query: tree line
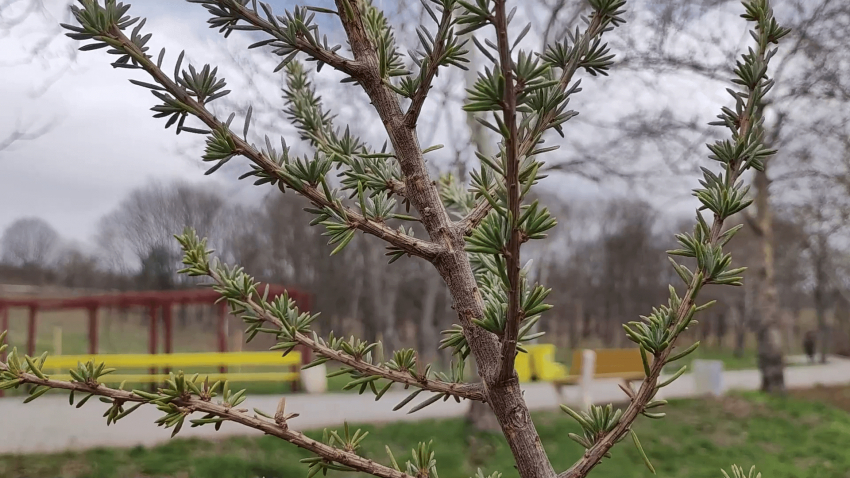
[{"x": 602, "y": 268}]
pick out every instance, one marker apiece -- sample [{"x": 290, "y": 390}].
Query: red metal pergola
[{"x": 152, "y": 300}]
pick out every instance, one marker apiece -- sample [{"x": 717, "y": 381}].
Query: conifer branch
[
  {"x": 188, "y": 404},
  {"x": 723, "y": 195},
  {"x": 512, "y": 253},
  {"x": 289, "y": 34},
  {"x": 431, "y": 65},
  {"x": 318, "y": 196},
  {"x": 591, "y": 33},
  {"x": 263, "y": 312}
]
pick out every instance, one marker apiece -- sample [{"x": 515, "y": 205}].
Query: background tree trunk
[
  {"x": 819, "y": 252},
  {"x": 768, "y": 332},
  {"x": 427, "y": 335}
]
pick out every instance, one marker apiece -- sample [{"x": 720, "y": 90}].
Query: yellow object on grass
[{"x": 539, "y": 364}]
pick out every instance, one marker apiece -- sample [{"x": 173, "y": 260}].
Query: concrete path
[{"x": 49, "y": 424}]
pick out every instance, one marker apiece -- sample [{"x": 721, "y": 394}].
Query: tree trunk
[
  {"x": 426, "y": 336},
  {"x": 575, "y": 324},
  {"x": 768, "y": 333},
  {"x": 740, "y": 332},
  {"x": 722, "y": 326},
  {"x": 481, "y": 418},
  {"x": 354, "y": 311},
  {"x": 819, "y": 253}
]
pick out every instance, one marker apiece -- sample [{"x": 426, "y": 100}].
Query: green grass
[
  {"x": 785, "y": 438},
  {"x": 747, "y": 360}
]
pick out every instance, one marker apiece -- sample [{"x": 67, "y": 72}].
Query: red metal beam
[
  {"x": 148, "y": 299},
  {"x": 222, "y": 332},
  {"x": 93, "y": 332},
  {"x": 144, "y": 298}
]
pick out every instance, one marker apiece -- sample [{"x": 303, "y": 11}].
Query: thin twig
[
  {"x": 345, "y": 65},
  {"x": 232, "y": 415},
  {"x": 418, "y": 98},
  {"x": 460, "y": 390},
  {"x": 514, "y": 314}
]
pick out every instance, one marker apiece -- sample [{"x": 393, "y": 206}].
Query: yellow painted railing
[{"x": 188, "y": 362}]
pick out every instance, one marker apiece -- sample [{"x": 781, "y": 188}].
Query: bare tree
[
  {"x": 143, "y": 226},
  {"x": 823, "y": 216},
  {"x": 29, "y": 242}
]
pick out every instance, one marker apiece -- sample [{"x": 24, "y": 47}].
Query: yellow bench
[
  {"x": 187, "y": 362},
  {"x": 625, "y": 364},
  {"x": 539, "y": 364}
]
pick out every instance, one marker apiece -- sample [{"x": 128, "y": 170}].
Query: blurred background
[{"x": 92, "y": 191}]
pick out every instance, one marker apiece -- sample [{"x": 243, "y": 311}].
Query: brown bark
[{"x": 768, "y": 333}]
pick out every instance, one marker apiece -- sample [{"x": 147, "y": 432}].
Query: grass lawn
[
  {"x": 805, "y": 435},
  {"x": 747, "y": 360}
]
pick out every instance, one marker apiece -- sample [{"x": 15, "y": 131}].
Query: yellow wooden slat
[
  {"x": 233, "y": 377},
  {"x": 614, "y": 363},
  {"x": 181, "y": 360}
]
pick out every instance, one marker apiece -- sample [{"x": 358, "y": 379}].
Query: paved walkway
[{"x": 49, "y": 424}]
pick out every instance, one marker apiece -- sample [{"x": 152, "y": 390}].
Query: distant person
[{"x": 809, "y": 345}]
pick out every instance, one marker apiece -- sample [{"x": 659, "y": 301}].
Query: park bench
[
  {"x": 147, "y": 366},
  {"x": 624, "y": 364}
]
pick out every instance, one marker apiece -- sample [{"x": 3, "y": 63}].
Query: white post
[
  {"x": 708, "y": 377},
  {"x": 314, "y": 379},
  {"x": 588, "y": 368}
]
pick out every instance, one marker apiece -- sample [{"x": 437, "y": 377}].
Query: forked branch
[{"x": 575, "y": 59}]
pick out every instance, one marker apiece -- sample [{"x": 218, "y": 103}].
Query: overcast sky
[{"x": 101, "y": 142}]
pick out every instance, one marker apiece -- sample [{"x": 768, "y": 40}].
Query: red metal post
[
  {"x": 152, "y": 326},
  {"x": 306, "y": 352},
  {"x": 93, "y": 339},
  {"x": 31, "y": 329},
  {"x": 169, "y": 329},
  {"x": 222, "y": 332},
  {"x": 4, "y": 325}
]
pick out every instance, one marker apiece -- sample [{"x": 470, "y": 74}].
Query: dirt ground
[{"x": 836, "y": 396}]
